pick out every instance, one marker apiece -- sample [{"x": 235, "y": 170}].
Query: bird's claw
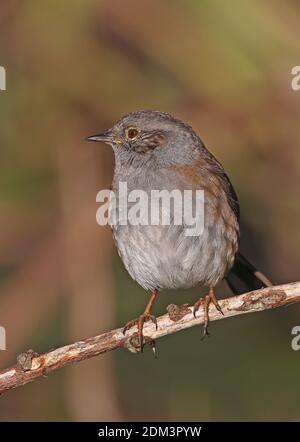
[
  {"x": 197, "y": 306},
  {"x": 139, "y": 322},
  {"x": 129, "y": 325},
  {"x": 218, "y": 307},
  {"x": 205, "y": 332},
  {"x": 206, "y": 301},
  {"x": 154, "y": 320},
  {"x": 153, "y": 345}
]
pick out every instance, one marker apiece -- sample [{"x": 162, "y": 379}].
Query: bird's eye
[{"x": 131, "y": 133}]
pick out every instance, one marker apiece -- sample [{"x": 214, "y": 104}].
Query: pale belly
[{"x": 164, "y": 257}]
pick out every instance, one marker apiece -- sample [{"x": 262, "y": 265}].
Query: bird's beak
[{"x": 105, "y": 137}]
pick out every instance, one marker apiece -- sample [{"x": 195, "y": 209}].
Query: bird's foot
[
  {"x": 206, "y": 301},
  {"x": 139, "y": 322}
]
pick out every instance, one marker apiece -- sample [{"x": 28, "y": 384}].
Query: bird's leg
[
  {"x": 206, "y": 301},
  {"x": 146, "y": 316}
]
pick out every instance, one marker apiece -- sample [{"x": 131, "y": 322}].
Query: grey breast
[{"x": 163, "y": 256}]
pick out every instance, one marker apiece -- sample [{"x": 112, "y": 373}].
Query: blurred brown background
[{"x": 73, "y": 68}]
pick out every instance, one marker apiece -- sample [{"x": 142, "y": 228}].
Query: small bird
[{"x": 154, "y": 150}]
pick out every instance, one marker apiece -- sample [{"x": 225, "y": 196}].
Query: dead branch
[{"x": 31, "y": 366}]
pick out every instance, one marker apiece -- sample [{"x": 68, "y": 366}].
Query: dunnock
[{"x": 154, "y": 150}]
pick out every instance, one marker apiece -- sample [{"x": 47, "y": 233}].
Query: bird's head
[{"x": 147, "y": 134}]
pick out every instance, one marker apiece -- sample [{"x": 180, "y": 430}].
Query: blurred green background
[{"x": 73, "y": 68}]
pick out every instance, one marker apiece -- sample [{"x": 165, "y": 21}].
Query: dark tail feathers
[{"x": 244, "y": 277}]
